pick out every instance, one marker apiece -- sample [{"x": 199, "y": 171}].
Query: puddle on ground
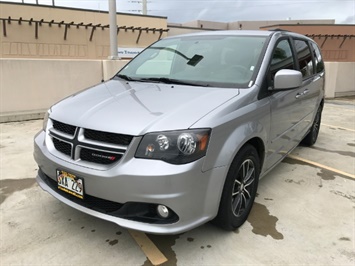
[
  {"x": 293, "y": 181},
  {"x": 349, "y": 254},
  {"x": 9, "y": 186},
  {"x": 113, "y": 242},
  {"x": 344, "y": 239},
  {"x": 344, "y": 153},
  {"x": 324, "y": 173},
  {"x": 263, "y": 223},
  {"x": 165, "y": 245}
]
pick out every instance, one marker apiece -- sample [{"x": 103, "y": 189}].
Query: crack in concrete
[
  {"x": 341, "y": 194},
  {"x": 344, "y": 153}
]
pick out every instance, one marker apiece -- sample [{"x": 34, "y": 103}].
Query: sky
[{"x": 180, "y": 11}]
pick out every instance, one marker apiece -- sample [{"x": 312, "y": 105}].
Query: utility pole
[
  {"x": 113, "y": 29},
  {"x": 144, "y": 7}
]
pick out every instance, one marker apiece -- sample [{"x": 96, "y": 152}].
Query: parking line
[
  {"x": 153, "y": 254},
  {"x": 321, "y": 166},
  {"x": 344, "y": 128}
]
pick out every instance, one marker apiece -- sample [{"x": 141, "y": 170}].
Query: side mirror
[{"x": 287, "y": 79}]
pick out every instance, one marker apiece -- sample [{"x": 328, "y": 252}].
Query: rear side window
[
  {"x": 282, "y": 58},
  {"x": 317, "y": 58},
  {"x": 304, "y": 57}
]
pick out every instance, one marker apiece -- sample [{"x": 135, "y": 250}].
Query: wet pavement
[{"x": 304, "y": 212}]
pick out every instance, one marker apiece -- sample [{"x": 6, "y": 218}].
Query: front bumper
[{"x": 191, "y": 194}]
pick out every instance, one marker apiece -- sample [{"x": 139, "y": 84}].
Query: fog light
[{"x": 163, "y": 211}]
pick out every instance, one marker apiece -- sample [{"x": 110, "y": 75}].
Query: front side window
[
  {"x": 282, "y": 58},
  {"x": 304, "y": 58},
  {"x": 225, "y": 61}
]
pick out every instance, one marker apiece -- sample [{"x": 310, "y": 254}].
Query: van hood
[{"x": 135, "y": 108}]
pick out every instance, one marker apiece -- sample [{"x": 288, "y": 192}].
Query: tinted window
[
  {"x": 318, "y": 58},
  {"x": 282, "y": 58},
  {"x": 304, "y": 58}
]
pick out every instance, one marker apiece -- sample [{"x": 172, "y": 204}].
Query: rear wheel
[
  {"x": 239, "y": 189},
  {"x": 312, "y": 135}
]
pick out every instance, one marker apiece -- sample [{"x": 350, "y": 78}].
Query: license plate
[{"x": 70, "y": 183}]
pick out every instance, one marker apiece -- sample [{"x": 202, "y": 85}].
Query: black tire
[
  {"x": 311, "y": 138},
  {"x": 239, "y": 189}
]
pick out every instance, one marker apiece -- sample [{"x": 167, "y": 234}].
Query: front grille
[
  {"x": 88, "y": 146},
  {"x": 65, "y": 128},
  {"x": 100, "y": 157},
  {"x": 107, "y": 137},
  {"x": 62, "y": 146}
]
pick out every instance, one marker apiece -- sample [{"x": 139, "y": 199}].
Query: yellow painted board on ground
[
  {"x": 153, "y": 254},
  {"x": 321, "y": 166}
]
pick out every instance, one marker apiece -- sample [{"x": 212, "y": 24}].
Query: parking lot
[{"x": 304, "y": 212}]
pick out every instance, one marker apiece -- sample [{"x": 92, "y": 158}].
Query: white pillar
[
  {"x": 113, "y": 29},
  {"x": 144, "y": 3}
]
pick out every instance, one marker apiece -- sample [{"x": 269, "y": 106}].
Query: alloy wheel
[{"x": 242, "y": 190}]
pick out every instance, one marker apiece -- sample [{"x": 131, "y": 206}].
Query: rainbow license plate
[{"x": 70, "y": 184}]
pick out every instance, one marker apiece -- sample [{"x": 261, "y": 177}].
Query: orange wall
[{"x": 21, "y": 42}]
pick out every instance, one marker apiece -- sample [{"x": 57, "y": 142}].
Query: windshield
[{"x": 225, "y": 61}]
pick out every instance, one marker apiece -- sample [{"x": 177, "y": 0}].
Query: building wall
[
  {"x": 206, "y": 24},
  {"x": 28, "y": 87},
  {"x": 54, "y": 41},
  {"x": 32, "y": 85},
  {"x": 255, "y": 25},
  {"x": 195, "y": 26},
  {"x": 340, "y": 79},
  {"x": 179, "y": 30}
]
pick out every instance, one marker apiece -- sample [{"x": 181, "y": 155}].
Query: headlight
[
  {"x": 175, "y": 147},
  {"x": 45, "y": 119}
]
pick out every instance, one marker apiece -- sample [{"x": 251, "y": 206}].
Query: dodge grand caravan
[{"x": 181, "y": 135}]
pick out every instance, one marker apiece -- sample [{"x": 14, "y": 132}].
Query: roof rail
[{"x": 278, "y": 29}]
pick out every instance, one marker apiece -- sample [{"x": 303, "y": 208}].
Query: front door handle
[{"x": 299, "y": 95}]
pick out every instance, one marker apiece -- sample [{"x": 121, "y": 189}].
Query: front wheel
[
  {"x": 239, "y": 189},
  {"x": 312, "y": 135}
]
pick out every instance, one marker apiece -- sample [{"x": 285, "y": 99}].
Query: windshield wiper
[
  {"x": 125, "y": 77},
  {"x": 161, "y": 80},
  {"x": 174, "y": 81}
]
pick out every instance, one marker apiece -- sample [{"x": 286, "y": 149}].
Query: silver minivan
[{"x": 183, "y": 133}]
